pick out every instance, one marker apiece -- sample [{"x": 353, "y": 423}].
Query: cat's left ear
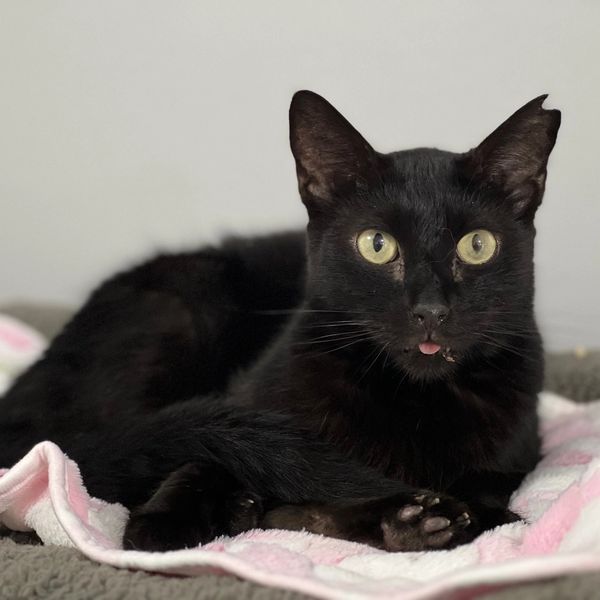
[
  {"x": 332, "y": 158},
  {"x": 513, "y": 158}
]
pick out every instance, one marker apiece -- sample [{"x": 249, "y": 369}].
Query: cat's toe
[
  {"x": 430, "y": 522},
  {"x": 409, "y": 513},
  {"x": 433, "y": 524}
]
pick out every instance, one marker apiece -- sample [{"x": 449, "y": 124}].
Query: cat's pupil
[
  {"x": 477, "y": 243},
  {"x": 378, "y": 242}
]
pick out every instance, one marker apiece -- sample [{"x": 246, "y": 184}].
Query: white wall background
[{"x": 132, "y": 126}]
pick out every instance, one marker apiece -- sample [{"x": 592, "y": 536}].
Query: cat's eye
[
  {"x": 377, "y": 246},
  {"x": 477, "y": 247}
]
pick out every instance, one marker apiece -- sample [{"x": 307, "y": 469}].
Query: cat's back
[{"x": 173, "y": 327}]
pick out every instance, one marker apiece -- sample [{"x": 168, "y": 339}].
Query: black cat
[{"x": 377, "y": 382}]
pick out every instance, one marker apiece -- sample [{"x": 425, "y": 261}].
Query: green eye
[
  {"x": 377, "y": 246},
  {"x": 477, "y": 247}
]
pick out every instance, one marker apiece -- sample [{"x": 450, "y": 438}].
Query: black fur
[{"x": 215, "y": 391}]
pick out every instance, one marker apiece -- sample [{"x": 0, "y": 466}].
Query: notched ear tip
[
  {"x": 551, "y": 115},
  {"x": 536, "y": 106},
  {"x": 552, "y": 118},
  {"x": 514, "y": 156},
  {"x": 539, "y": 100},
  {"x": 555, "y": 117}
]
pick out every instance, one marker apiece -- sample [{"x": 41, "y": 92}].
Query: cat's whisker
[
  {"x": 547, "y": 318},
  {"x": 332, "y": 337},
  {"x": 335, "y": 324},
  {"x": 293, "y": 311},
  {"x": 319, "y": 352},
  {"x": 565, "y": 330},
  {"x": 383, "y": 348},
  {"x": 367, "y": 357},
  {"x": 491, "y": 341},
  {"x": 524, "y": 333},
  {"x": 402, "y": 379},
  {"x": 387, "y": 356},
  {"x": 486, "y": 334}
]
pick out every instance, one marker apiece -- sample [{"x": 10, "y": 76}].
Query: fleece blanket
[
  {"x": 561, "y": 499},
  {"x": 20, "y": 345}
]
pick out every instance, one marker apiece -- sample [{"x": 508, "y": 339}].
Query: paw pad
[
  {"x": 434, "y": 524},
  {"x": 428, "y": 521}
]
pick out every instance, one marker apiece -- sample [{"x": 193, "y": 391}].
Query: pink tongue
[{"x": 429, "y": 347}]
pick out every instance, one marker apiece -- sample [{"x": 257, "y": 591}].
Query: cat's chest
[
  {"x": 426, "y": 435},
  {"x": 421, "y": 439}
]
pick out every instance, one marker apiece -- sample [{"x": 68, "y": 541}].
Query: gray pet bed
[{"x": 32, "y": 571}]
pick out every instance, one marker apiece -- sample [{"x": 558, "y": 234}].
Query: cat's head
[{"x": 428, "y": 254}]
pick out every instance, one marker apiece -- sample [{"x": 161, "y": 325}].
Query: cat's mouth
[
  {"x": 428, "y": 360},
  {"x": 431, "y": 348}
]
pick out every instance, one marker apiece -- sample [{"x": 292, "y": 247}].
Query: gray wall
[{"x": 128, "y": 127}]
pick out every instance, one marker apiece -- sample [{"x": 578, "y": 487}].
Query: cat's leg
[
  {"x": 245, "y": 462},
  {"x": 422, "y": 520},
  {"x": 194, "y": 505}
]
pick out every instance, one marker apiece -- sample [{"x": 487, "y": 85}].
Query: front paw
[
  {"x": 177, "y": 527},
  {"x": 163, "y": 531},
  {"x": 429, "y": 521}
]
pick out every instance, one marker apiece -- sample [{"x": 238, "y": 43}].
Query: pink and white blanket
[{"x": 561, "y": 499}]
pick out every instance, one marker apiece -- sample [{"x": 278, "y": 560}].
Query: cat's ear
[
  {"x": 332, "y": 158},
  {"x": 514, "y": 157}
]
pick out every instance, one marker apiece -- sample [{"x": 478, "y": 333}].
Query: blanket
[
  {"x": 561, "y": 499},
  {"x": 20, "y": 345}
]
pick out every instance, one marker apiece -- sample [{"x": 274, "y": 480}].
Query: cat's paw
[
  {"x": 162, "y": 530},
  {"x": 244, "y": 511},
  {"x": 428, "y": 521}
]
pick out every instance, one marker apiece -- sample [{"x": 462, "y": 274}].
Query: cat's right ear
[{"x": 332, "y": 158}]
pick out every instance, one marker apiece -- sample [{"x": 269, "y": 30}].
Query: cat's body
[
  {"x": 163, "y": 332},
  {"x": 423, "y": 368}
]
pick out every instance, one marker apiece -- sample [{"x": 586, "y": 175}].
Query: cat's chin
[{"x": 422, "y": 366}]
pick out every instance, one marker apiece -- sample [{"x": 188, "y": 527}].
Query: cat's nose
[{"x": 430, "y": 315}]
